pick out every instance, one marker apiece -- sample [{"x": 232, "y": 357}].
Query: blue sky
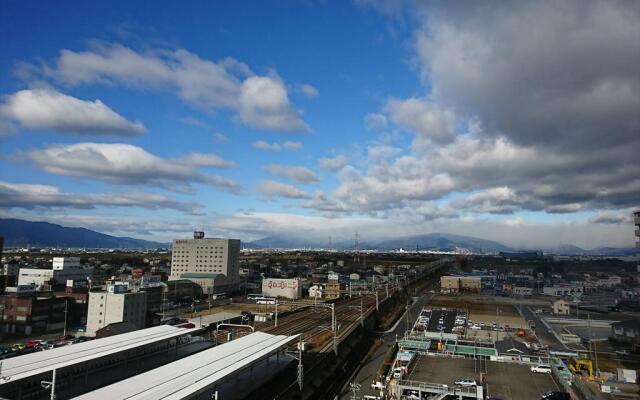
[{"x": 321, "y": 118}]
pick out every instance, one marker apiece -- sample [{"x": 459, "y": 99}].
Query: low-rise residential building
[
  {"x": 115, "y": 305},
  {"x": 450, "y": 284},
  {"x": 332, "y": 290},
  {"x": 627, "y": 331},
  {"x": 561, "y": 307},
  {"x": 23, "y": 312}
]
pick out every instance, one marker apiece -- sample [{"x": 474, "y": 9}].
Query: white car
[
  {"x": 397, "y": 373},
  {"x": 466, "y": 382},
  {"x": 476, "y": 327},
  {"x": 541, "y": 369}
]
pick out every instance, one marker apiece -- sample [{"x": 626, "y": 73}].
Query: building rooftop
[
  {"x": 200, "y": 275},
  {"x": 195, "y": 374},
  {"x": 27, "y": 365}
]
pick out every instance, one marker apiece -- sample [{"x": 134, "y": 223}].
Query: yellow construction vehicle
[{"x": 581, "y": 366}]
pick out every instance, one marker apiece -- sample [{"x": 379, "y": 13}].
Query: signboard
[{"x": 281, "y": 283}]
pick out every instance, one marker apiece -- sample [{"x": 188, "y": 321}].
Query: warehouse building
[{"x": 63, "y": 269}]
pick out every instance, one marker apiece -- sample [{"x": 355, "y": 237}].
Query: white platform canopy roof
[
  {"x": 194, "y": 374},
  {"x": 20, "y": 367}
]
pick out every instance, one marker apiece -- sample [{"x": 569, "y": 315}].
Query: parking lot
[
  {"x": 441, "y": 320},
  {"x": 504, "y": 380}
]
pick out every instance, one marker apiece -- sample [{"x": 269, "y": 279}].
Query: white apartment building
[
  {"x": 63, "y": 269},
  {"x": 206, "y": 256},
  {"x": 115, "y": 305}
]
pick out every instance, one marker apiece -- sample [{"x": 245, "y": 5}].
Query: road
[
  {"x": 541, "y": 330},
  {"x": 370, "y": 365}
]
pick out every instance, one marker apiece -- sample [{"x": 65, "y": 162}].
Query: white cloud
[
  {"x": 46, "y": 109},
  {"x": 206, "y": 160},
  {"x": 193, "y": 121},
  {"x": 333, "y": 163},
  {"x": 127, "y": 164},
  {"x": 268, "y": 146},
  {"x": 375, "y": 121},
  {"x": 307, "y": 90},
  {"x": 270, "y": 189},
  {"x": 295, "y": 173},
  {"x": 264, "y": 103},
  {"x": 27, "y": 196},
  {"x": 291, "y": 145},
  {"x": 220, "y": 137},
  {"x": 428, "y": 120},
  {"x": 614, "y": 218},
  {"x": 258, "y": 101}
]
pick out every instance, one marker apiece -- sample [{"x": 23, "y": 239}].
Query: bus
[
  {"x": 266, "y": 300},
  {"x": 254, "y": 296}
]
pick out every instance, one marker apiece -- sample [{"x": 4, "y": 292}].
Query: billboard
[{"x": 277, "y": 287}]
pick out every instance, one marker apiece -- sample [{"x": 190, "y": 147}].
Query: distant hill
[
  {"x": 442, "y": 242},
  {"x": 21, "y": 233},
  {"x": 285, "y": 242},
  {"x": 431, "y": 241}
]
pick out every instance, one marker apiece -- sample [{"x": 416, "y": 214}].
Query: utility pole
[
  {"x": 376, "y": 301},
  {"x": 276, "y": 312},
  {"x": 300, "y": 367},
  {"x": 361, "y": 312},
  {"x": 333, "y": 317},
  {"x": 64, "y": 330}
]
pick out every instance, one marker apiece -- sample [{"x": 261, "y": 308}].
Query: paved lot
[
  {"x": 509, "y": 381},
  {"x": 449, "y": 319}
]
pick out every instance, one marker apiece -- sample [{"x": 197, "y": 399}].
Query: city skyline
[{"x": 514, "y": 123}]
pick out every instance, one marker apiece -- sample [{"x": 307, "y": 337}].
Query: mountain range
[{"x": 21, "y": 233}]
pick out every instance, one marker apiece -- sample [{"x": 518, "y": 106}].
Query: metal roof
[
  {"x": 206, "y": 320},
  {"x": 20, "y": 367},
  {"x": 194, "y": 374}
]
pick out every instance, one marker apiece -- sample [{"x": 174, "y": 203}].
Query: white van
[{"x": 541, "y": 369}]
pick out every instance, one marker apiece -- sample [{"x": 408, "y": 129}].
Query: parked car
[
  {"x": 397, "y": 373},
  {"x": 622, "y": 352},
  {"x": 541, "y": 369},
  {"x": 466, "y": 382},
  {"x": 555, "y": 395}
]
